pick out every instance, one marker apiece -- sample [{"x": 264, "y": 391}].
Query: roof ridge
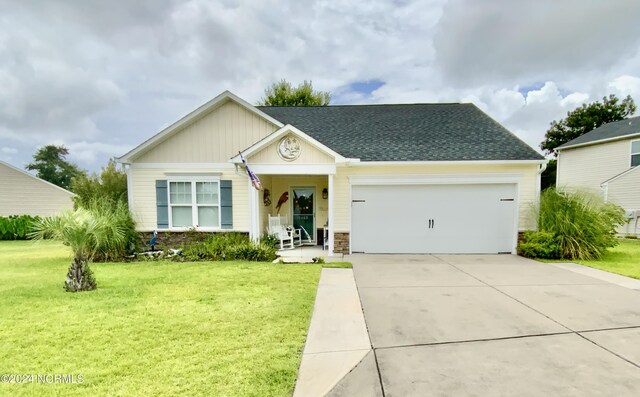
[{"x": 371, "y": 104}]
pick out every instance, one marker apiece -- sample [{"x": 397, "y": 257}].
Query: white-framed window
[
  {"x": 194, "y": 202},
  {"x": 635, "y": 153}
]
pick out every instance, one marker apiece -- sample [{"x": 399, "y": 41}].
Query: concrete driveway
[{"x": 480, "y": 325}]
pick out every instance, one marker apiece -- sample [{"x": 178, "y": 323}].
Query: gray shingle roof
[
  {"x": 616, "y": 129},
  {"x": 412, "y": 132}
]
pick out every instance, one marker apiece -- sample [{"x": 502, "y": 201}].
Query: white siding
[
  {"x": 527, "y": 192},
  {"x": 22, "y": 194},
  {"x": 625, "y": 191},
  {"x": 214, "y": 138},
  {"x": 589, "y": 166}
]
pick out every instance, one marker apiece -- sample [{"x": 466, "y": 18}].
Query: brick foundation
[
  {"x": 341, "y": 242},
  {"x": 168, "y": 240}
]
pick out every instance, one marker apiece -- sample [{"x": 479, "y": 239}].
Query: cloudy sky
[{"x": 101, "y": 76}]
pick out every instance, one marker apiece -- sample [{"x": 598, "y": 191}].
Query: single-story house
[
  {"x": 409, "y": 178},
  {"x": 605, "y": 160},
  {"x": 24, "y": 194}
]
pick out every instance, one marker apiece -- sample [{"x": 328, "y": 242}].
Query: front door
[{"x": 304, "y": 216}]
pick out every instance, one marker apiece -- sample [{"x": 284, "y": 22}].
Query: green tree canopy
[
  {"x": 586, "y": 118},
  {"x": 51, "y": 165},
  {"x": 109, "y": 186},
  {"x": 283, "y": 93}
]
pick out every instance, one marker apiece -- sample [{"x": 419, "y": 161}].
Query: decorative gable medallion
[{"x": 289, "y": 148}]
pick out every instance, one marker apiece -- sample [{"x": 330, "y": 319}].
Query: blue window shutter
[
  {"x": 226, "y": 204},
  {"x": 162, "y": 204}
]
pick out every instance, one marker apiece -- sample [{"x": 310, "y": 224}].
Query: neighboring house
[
  {"x": 605, "y": 160},
  {"x": 415, "y": 178},
  {"x": 24, "y": 194}
]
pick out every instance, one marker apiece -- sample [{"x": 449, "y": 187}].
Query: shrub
[
  {"x": 270, "y": 240},
  {"x": 542, "y": 245},
  {"x": 228, "y": 246},
  {"x": 17, "y": 227},
  {"x": 250, "y": 251},
  {"x": 110, "y": 185},
  {"x": 583, "y": 225},
  {"x": 118, "y": 214}
]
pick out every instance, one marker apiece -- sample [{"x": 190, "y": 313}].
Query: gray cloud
[
  {"x": 509, "y": 41},
  {"x": 100, "y": 77}
]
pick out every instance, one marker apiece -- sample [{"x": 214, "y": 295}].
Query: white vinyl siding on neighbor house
[
  {"x": 24, "y": 194},
  {"x": 625, "y": 190},
  {"x": 194, "y": 202},
  {"x": 589, "y": 166},
  {"x": 213, "y": 138},
  {"x": 635, "y": 153}
]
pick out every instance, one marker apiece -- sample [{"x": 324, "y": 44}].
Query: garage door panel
[{"x": 467, "y": 218}]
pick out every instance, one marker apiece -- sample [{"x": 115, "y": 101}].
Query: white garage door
[{"x": 476, "y": 218}]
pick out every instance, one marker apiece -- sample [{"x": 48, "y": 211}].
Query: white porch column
[
  {"x": 254, "y": 212},
  {"x": 330, "y": 213}
]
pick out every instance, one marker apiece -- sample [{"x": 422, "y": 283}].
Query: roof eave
[{"x": 596, "y": 142}]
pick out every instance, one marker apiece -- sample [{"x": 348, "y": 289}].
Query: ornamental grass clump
[
  {"x": 582, "y": 223},
  {"x": 88, "y": 233}
]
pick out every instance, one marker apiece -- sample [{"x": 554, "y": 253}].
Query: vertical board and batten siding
[
  {"x": 144, "y": 204},
  {"x": 22, "y": 194},
  {"x": 213, "y": 138},
  {"x": 526, "y": 195},
  {"x": 625, "y": 191},
  {"x": 589, "y": 166},
  {"x": 308, "y": 155}
]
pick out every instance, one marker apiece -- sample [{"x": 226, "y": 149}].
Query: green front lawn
[
  {"x": 153, "y": 328},
  {"x": 623, "y": 259}
]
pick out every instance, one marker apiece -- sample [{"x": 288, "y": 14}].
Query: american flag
[{"x": 254, "y": 178}]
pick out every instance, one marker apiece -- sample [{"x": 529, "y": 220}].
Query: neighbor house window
[
  {"x": 194, "y": 203},
  {"x": 635, "y": 153}
]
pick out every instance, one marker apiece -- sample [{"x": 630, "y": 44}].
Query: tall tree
[
  {"x": 586, "y": 118},
  {"x": 109, "y": 186},
  {"x": 51, "y": 165},
  {"x": 283, "y": 93}
]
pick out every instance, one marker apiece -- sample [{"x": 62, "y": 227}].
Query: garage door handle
[{"x": 432, "y": 223}]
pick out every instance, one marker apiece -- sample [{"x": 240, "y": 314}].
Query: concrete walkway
[
  {"x": 337, "y": 339},
  {"x": 483, "y": 325}
]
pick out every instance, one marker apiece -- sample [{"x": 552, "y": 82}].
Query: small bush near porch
[{"x": 153, "y": 328}]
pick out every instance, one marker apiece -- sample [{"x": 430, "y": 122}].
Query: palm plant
[{"x": 87, "y": 233}]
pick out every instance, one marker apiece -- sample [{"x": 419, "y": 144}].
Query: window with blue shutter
[
  {"x": 226, "y": 204},
  {"x": 162, "y": 204}
]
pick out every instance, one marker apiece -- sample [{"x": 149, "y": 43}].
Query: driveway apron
[{"x": 482, "y": 325}]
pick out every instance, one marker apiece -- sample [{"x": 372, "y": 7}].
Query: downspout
[
  {"x": 127, "y": 170},
  {"x": 541, "y": 168}
]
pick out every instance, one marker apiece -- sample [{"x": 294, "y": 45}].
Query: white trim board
[
  {"x": 441, "y": 179},
  {"x": 292, "y": 169},
  {"x": 207, "y": 166}
]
